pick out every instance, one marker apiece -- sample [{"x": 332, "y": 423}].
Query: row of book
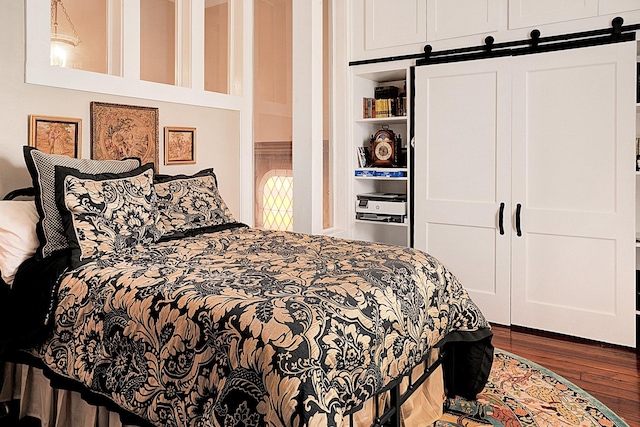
[{"x": 387, "y": 107}]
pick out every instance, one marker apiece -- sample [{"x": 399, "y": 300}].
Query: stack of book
[{"x": 387, "y": 102}]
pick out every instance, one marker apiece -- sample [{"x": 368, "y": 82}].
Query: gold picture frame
[
  {"x": 179, "y": 145},
  {"x": 121, "y": 131},
  {"x": 56, "y": 135}
]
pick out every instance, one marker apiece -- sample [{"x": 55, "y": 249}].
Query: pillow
[
  {"x": 106, "y": 213},
  {"x": 190, "y": 202},
  {"x": 18, "y": 239},
  {"x": 41, "y": 167}
]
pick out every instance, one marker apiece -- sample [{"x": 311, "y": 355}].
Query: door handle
[
  {"x": 518, "y": 229},
  {"x": 501, "y": 218}
]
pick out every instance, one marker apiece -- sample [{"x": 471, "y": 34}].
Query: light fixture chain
[
  {"x": 54, "y": 15},
  {"x": 73, "y": 28}
]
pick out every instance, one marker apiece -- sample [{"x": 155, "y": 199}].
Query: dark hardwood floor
[{"x": 611, "y": 374}]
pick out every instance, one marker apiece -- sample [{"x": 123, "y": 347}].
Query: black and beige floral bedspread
[{"x": 251, "y": 327}]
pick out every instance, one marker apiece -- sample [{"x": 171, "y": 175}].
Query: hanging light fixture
[{"x": 62, "y": 44}]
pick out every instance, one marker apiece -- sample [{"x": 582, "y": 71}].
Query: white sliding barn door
[
  {"x": 462, "y": 175},
  {"x": 573, "y": 119},
  {"x": 551, "y": 136}
]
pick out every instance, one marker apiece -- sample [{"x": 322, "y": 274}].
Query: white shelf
[
  {"x": 395, "y": 224},
  {"x": 381, "y": 178},
  {"x": 383, "y": 120},
  {"x": 385, "y": 169}
]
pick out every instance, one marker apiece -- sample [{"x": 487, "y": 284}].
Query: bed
[{"x": 143, "y": 295}]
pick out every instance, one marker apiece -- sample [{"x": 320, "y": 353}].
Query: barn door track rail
[{"x": 535, "y": 44}]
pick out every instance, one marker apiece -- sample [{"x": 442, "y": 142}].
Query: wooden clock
[{"x": 384, "y": 148}]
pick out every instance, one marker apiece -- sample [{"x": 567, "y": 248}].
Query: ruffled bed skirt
[{"x": 63, "y": 408}]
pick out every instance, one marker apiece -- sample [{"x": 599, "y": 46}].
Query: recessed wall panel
[
  {"x": 444, "y": 19},
  {"x": 524, "y": 13},
  {"x": 614, "y": 6},
  {"x": 392, "y": 23}
]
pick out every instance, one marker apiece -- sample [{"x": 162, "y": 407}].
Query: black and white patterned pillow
[
  {"x": 107, "y": 213},
  {"x": 190, "y": 202},
  {"x": 41, "y": 167}
]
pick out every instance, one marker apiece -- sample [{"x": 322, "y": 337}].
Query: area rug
[{"x": 522, "y": 393}]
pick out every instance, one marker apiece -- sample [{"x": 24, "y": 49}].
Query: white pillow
[{"x": 18, "y": 239}]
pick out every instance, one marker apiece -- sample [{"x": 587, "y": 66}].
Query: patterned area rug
[{"x": 522, "y": 393}]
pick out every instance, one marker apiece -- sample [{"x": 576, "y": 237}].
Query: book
[
  {"x": 401, "y": 106},
  {"x": 368, "y": 108},
  {"x": 385, "y": 92},
  {"x": 381, "y": 108}
]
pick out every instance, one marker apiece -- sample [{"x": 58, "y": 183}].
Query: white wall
[{"x": 218, "y": 130}]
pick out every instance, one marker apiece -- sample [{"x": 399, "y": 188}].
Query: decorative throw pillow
[
  {"x": 41, "y": 167},
  {"x": 18, "y": 239},
  {"x": 107, "y": 213},
  {"x": 190, "y": 202}
]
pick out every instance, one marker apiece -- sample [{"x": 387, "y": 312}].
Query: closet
[{"x": 525, "y": 185}]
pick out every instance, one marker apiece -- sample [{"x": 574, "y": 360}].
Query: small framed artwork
[
  {"x": 121, "y": 131},
  {"x": 56, "y": 135},
  {"x": 179, "y": 145}
]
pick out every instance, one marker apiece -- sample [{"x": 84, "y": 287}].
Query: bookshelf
[{"x": 365, "y": 81}]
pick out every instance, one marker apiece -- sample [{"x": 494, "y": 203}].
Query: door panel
[
  {"x": 556, "y": 263},
  {"x": 463, "y": 250},
  {"x": 573, "y": 132},
  {"x": 571, "y": 161},
  {"x": 462, "y": 174},
  {"x": 462, "y": 159}
]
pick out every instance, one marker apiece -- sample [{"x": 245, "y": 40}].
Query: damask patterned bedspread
[{"x": 252, "y": 327}]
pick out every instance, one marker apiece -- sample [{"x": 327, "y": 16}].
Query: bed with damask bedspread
[{"x": 165, "y": 306}]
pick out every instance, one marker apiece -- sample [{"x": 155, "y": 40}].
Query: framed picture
[
  {"x": 56, "y": 135},
  {"x": 179, "y": 145},
  {"x": 362, "y": 157},
  {"x": 121, "y": 131}
]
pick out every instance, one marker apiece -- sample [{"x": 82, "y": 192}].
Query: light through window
[{"x": 277, "y": 202}]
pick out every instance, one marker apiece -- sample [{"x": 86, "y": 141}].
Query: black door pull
[
  {"x": 501, "y": 218},
  {"x": 518, "y": 209}
]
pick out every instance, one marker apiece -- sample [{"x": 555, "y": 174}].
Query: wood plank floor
[{"x": 611, "y": 374}]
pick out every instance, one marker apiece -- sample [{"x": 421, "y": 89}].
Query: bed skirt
[
  {"x": 64, "y": 408},
  {"x": 53, "y": 407}
]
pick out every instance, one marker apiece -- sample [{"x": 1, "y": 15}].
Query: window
[
  {"x": 272, "y": 112},
  {"x": 277, "y": 201},
  {"x": 115, "y": 38},
  {"x": 216, "y": 46},
  {"x": 158, "y": 41},
  {"x": 79, "y": 34}
]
